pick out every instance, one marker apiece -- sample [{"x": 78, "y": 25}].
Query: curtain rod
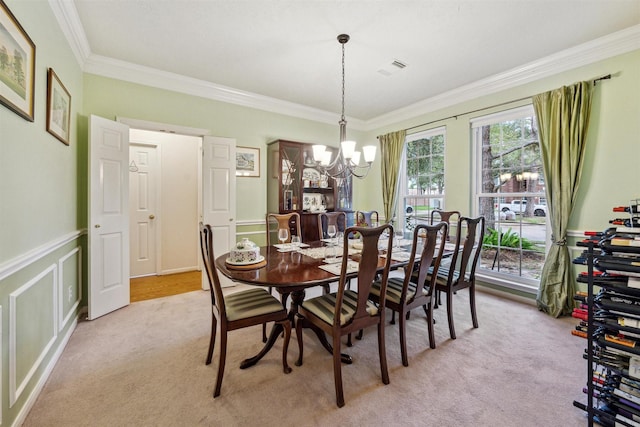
[{"x": 595, "y": 81}]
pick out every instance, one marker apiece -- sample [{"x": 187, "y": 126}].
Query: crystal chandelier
[{"x": 347, "y": 161}]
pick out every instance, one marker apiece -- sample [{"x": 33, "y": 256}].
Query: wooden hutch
[{"x": 296, "y": 184}]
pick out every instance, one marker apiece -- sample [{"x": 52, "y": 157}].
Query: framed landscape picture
[
  {"x": 58, "y": 108},
  {"x": 247, "y": 161},
  {"x": 17, "y": 65}
]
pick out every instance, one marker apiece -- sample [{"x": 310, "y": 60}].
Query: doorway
[{"x": 164, "y": 202}]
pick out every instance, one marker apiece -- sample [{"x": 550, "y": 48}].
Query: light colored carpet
[{"x": 144, "y": 365}]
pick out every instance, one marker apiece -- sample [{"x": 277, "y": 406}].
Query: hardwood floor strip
[{"x": 150, "y": 287}]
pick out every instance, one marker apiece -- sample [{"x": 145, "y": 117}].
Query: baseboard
[{"x": 33, "y": 396}]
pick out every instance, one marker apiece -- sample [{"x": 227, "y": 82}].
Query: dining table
[{"x": 292, "y": 270}]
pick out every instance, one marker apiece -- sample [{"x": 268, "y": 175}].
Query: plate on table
[{"x": 260, "y": 259}]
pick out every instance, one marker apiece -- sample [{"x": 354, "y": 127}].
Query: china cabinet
[{"x": 295, "y": 184}]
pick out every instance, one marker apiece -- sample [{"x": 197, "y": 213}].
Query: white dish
[
  {"x": 260, "y": 259},
  {"x": 310, "y": 174}
]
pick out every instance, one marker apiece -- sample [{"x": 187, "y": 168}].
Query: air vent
[{"x": 392, "y": 68}]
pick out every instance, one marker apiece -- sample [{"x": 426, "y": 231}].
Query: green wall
[
  {"x": 42, "y": 242},
  {"x": 610, "y": 171},
  {"x": 112, "y": 98}
]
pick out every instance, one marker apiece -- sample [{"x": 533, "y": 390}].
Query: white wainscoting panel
[
  {"x": 17, "y": 385},
  {"x": 67, "y": 291}
]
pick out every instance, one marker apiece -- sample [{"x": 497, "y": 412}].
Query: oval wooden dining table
[{"x": 290, "y": 273}]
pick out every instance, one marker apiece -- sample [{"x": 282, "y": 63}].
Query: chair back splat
[
  {"x": 325, "y": 219},
  {"x": 449, "y": 217},
  {"x": 367, "y": 218},
  {"x": 290, "y": 221},
  {"x": 345, "y": 311}
]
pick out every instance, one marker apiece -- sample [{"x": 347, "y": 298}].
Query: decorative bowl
[{"x": 245, "y": 252}]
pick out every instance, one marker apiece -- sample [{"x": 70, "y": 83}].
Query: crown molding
[
  {"x": 126, "y": 71},
  {"x": 67, "y": 16},
  {"x": 605, "y": 47},
  {"x": 611, "y": 45}
]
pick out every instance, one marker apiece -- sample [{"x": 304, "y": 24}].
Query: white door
[
  {"x": 219, "y": 191},
  {"x": 108, "y": 216},
  {"x": 143, "y": 203}
]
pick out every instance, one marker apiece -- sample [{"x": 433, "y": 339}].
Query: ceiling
[{"x": 287, "y": 49}]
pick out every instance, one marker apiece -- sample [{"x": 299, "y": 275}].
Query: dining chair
[
  {"x": 368, "y": 218},
  {"x": 325, "y": 219},
  {"x": 238, "y": 310},
  {"x": 342, "y": 312},
  {"x": 461, "y": 272},
  {"x": 449, "y": 217},
  {"x": 290, "y": 221},
  {"x": 403, "y": 294}
]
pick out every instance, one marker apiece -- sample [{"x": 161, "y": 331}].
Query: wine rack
[{"x": 611, "y": 317}]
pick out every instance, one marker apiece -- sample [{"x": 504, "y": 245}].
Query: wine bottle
[
  {"x": 629, "y": 209},
  {"x": 627, "y": 222}
]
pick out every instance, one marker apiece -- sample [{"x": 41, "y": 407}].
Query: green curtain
[
  {"x": 563, "y": 120},
  {"x": 391, "y": 146}
]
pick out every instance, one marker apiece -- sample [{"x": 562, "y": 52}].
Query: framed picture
[
  {"x": 247, "y": 161},
  {"x": 17, "y": 65},
  {"x": 58, "y": 108}
]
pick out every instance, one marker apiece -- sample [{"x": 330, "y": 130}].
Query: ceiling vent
[{"x": 392, "y": 68}]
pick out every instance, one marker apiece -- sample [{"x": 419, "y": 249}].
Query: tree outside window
[
  {"x": 422, "y": 177},
  {"x": 510, "y": 194}
]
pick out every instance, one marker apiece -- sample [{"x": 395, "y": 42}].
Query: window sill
[{"x": 507, "y": 287}]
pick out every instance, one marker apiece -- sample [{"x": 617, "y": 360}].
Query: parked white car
[{"x": 520, "y": 206}]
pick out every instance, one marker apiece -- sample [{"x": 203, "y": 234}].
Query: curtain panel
[
  {"x": 563, "y": 119},
  {"x": 391, "y": 146}
]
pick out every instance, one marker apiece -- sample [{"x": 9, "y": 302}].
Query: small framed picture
[
  {"x": 18, "y": 60},
  {"x": 58, "y": 108},
  {"x": 247, "y": 161}
]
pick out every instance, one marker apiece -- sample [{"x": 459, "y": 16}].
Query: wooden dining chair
[
  {"x": 403, "y": 294},
  {"x": 345, "y": 311},
  {"x": 290, "y": 221},
  {"x": 449, "y": 217},
  {"x": 238, "y": 310},
  {"x": 461, "y": 272},
  {"x": 368, "y": 218},
  {"x": 325, "y": 219}
]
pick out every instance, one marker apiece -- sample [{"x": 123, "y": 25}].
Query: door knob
[
  {"x": 152, "y": 216},
  {"x": 97, "y": 226}
]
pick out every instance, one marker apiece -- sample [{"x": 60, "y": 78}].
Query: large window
[
  {"x": 510, "y": 193},
  {"x": 421, "y": 183}
]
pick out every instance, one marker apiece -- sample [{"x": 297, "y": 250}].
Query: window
[
  {"x": 421, "y": 184},
  {"x": 510, "y": 193}
]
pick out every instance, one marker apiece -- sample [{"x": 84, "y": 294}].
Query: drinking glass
[
  {"x": 295, "y": 242},
  {"x": 398, "y": 235},
  {"x": 331, "y": 231},
  {"x": 283, "y": 235}
]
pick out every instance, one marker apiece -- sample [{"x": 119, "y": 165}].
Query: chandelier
[{"x": 347, "y": 161}]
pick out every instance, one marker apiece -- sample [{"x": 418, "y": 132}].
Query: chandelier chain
[{"x": 342, "y": 117}]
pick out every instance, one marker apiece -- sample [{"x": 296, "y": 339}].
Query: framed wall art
[
  {"x": 58, "y": 108},
  {"x": 247, "y": 161},
  {"x": 17, "y": 65}
]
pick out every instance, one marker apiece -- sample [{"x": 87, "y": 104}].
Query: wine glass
[
  {"x": 295, "y": 242},
  {"x": 283, "y": 235},
  {"x": 398, "y": 235},
  {"x": 331, "y": 231}
]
